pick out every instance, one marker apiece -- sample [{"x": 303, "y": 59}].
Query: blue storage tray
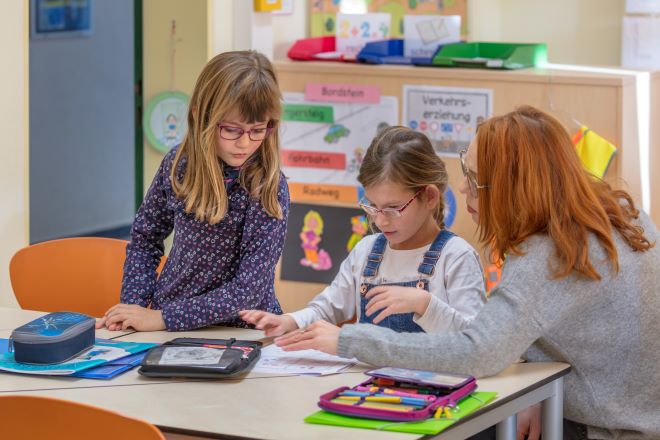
[{"x": 389, "y": 52}]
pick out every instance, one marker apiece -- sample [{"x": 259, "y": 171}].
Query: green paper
[
  {"x": 308, "y": 113},
  {"x": 427, "y": 426}
]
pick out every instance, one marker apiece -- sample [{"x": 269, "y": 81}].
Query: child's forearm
[{"x": 422, "y": 302}]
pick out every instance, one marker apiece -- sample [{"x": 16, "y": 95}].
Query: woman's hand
[
  {"x": 272, "y": 325},
  {"x": 529, "y": 423},
  {"x": 321, "y": 336},
  {"x": 123, "y": 316},
  {"x": 396, "y": 299}
]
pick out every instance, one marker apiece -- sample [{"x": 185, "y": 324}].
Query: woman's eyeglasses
[
  {"x": 388, "y": 212},
  {"x": 232, "y": 133},
  {"x": 471, "y": 178}
]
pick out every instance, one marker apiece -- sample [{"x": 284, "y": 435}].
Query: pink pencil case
[{"x": 399, "y": 394}]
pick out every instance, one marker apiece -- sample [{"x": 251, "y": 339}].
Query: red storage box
[{"x": 315, "y": 49}]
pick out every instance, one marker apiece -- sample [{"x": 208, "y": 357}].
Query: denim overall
[{"x": 400, "y": 322}]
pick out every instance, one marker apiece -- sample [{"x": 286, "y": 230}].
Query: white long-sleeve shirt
[{"x": 456, "y": 286}]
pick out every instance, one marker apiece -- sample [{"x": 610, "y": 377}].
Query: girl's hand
[
  {"x": 396, "y": 299},
  {"x": 321, "y": 336},
  {"x": 100, "y": 322},
  {"x": 123, "y": 316},
  {"x": 529, "y": 423},
  {"x": 272, "y": 325}
]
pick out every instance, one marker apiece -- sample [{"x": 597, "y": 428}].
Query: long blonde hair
[
  {"x": 537, "y": 185},
  {"x": 242, "y": 82},
  {"x": 405, "y": 157}
]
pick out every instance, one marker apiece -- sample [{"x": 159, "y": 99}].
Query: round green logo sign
[{"x": 165, "y": 121}]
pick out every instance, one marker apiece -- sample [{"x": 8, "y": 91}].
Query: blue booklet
[
  {"x": 112, "y": 368},
  {"x": 106, "y": 359}
]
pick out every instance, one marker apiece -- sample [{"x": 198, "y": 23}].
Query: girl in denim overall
[
  {"x": 400, "y": 322},
  {"x": 414, "y": 275}
]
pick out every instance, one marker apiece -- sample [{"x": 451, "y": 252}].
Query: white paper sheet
[
  {"x": 642, "y": 6},
  {"x": 424, "y": 33},
  {"x": 274, "y": 360},
  {"x": 355, "y": 30},
  {"x": 640, "y": 46}
]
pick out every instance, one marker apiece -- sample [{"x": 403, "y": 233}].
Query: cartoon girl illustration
[
  {"x": 359, "y": 226},
  {"x": 311, "y": 237},
  {"x": 171, "y": 134},
  {"x": 358, "y": 156}
]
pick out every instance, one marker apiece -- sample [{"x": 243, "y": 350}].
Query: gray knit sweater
[{"x": 609, "y": 331}]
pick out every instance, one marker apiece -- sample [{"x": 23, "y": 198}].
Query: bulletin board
[
  {"x": 321, "y": 156},
  {"x": 324, "y": 134},
  {"x": 605, "y": 102},
  {"x": 323, "y": 22}
]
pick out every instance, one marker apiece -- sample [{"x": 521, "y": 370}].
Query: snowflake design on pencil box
[{"x": 55, "y": 323}]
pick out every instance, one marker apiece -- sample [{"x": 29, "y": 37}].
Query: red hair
[{"x": 537, "y": 185}]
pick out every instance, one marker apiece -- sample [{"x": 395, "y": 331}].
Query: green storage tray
[{"x": 492, "y": 55}]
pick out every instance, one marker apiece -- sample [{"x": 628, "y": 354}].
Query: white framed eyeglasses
[
  {"x": 471, "y": 177},
  {"x": 389, "y": 212}
]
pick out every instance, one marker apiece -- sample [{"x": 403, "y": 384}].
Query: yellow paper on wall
[
  {"x": 267, "y": 5},
  {"x": 595, "y": 152}
]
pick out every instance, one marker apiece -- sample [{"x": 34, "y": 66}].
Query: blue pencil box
[{"x": 52, "y": 338}]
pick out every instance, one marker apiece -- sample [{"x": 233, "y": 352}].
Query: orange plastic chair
[
  {"x": 33, "y": 417},
  {"x": 81, "y": 274}
]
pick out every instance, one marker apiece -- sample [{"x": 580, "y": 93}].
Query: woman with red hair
[{"x": 579, "y": 285}]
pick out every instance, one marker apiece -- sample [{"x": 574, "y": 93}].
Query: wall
[
  {"x": 220, "y": 26},
  {"x": 584, "y": 31},
  {"x": 82, "y": 122},
  {"x": 191, "y": 47},
  {"x": 286, "y": 28},
  {"x": 14, "y": 145},
  {"x": 654, "y": 134},
  {"x": 289, "y": 28},
  {"x": 577, "y": 32}
]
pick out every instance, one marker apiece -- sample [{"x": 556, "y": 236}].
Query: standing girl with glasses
[
  {"x": 222, "y": 192},
  {"x": 415, "y": 276}
]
